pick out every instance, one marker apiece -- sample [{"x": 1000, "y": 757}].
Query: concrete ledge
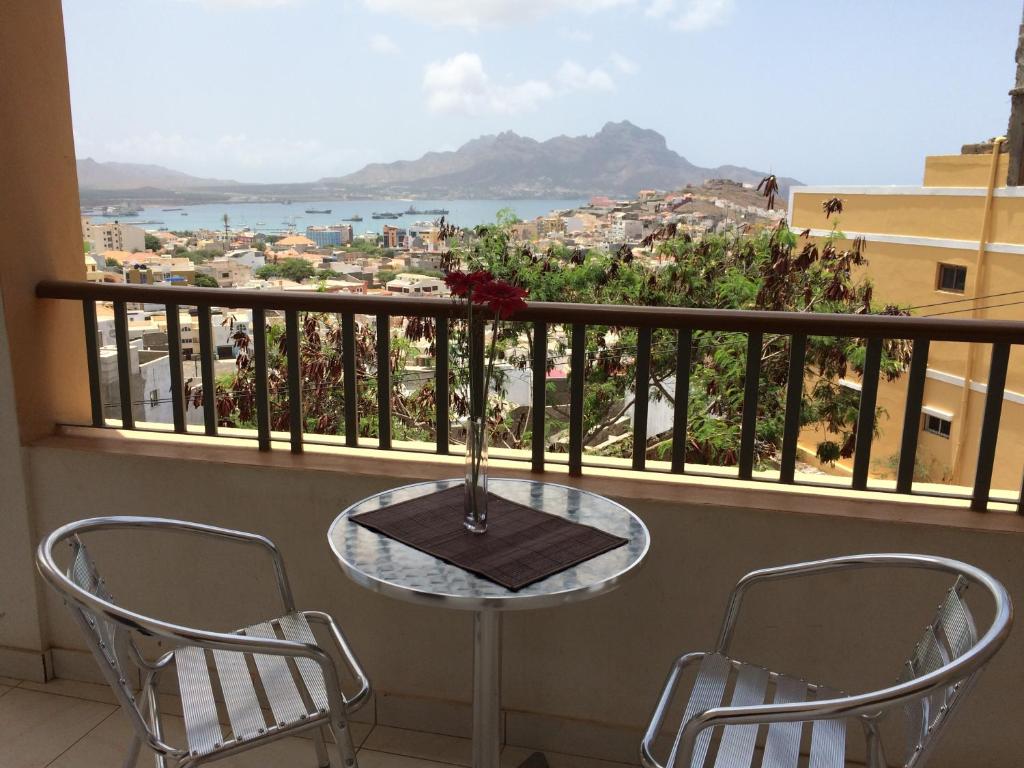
[{"x": 810, "y": 500}]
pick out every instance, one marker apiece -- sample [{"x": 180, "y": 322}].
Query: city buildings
[
  {"x": 336, "y": 234},
  {"x": 951, "y": 247},
  {"x": 113, "y": 236}
]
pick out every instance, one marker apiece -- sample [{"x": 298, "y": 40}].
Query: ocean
[{"x": 275, "y": 218}]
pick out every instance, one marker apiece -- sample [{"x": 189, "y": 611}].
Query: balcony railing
[{"x": 874, "y": 329}]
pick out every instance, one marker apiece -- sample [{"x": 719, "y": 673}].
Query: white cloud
[
  {"x": 692, "y": 15},
  {"x": 624, "y": 64},
  {"x": 575, "y": 78},
  {"x": 383, "y": 44},
  {"x": 228, "y": 4},
  {"x": 476, "y": 13},
  {"x": 578, "y": 35},
  {"x": 461, "y": 85}
]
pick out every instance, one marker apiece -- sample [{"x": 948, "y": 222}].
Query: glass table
[{"x": 391, "y": 568}]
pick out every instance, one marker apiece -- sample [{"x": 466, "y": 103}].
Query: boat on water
[
  {"x": 354, "y": 217},
  {"x": 414, "y": 211},
  {"x": 170, "y": 209},
  {"x": 386, "y": 215},
  {"x": 184, "y": 213},
  {"x": 314, "y": 210}
]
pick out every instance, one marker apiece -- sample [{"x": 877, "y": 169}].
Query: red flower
[
  {"x": 503, "y": 298},
  {"x": 461, "y": 283}
]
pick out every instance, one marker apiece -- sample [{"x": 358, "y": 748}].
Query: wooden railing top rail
[{"x": 810, "y": 323}]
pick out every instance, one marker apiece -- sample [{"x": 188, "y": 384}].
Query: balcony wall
[{"x": 581, "y": 678}]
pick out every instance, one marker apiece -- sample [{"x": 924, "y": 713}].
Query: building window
[
  {"x": 937, "y": 426},
  {"x": 952, "y": 278}
]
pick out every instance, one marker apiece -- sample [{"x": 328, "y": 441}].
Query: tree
[
  {"x": 385, "y": 276},
  {"x": 201, "y": 256},
  {"x": 296, "y": 270},
  {"x": 771, "y": 270},
  {"x": 205, "y": 281},
  {"x": 153, "y": 243}
]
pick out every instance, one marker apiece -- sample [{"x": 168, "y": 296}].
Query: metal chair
[
  {"x": 278, "y": 659},
  {"x": 934, "y": 680}
]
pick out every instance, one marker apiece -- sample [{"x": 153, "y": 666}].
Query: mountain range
[
  {"x": 112, "y": 176},
  {"x": 619, "y": 160}
]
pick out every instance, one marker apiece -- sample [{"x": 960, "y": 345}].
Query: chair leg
[
  {"x": 343, "y": 736},
  {"x": 323, "y": 759},
  {"x": 133, "y": 752},
  {"x": 875, "y": 751}
]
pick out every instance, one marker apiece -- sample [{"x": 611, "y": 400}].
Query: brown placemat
[{"x": 522, "y": 545}]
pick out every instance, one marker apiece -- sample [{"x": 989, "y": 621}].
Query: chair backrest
[
  {"x": 949, "y": 636},
  {"x": 109, "y": 641}
]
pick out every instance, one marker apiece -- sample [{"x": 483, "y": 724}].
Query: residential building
[
  {"x": 113, "y": 236},
  {"x": 394, "y": 237},
  {"x": 92, "y": 272},
  {"x": 421, "y": 285},
  {"x": 293, "y": 242},
  {"x": 336, "y": 234},
  {"x": 951, "y": 247}
]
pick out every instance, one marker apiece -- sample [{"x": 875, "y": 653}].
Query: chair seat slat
[
  {"x": 707, "y": 693},
  {"x": 202, "y": 726},
  {"x": 295, "y": 627},
  {"x": 828, "y": 738},
  {"x": 243, "y": 707},
  {"x": 782, "y": 747},
  {"x": 738, "y": 741},
  {"x": 277, "y": 680}
]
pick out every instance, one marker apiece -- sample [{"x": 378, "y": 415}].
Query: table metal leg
[{"x": 486, "y": 689}]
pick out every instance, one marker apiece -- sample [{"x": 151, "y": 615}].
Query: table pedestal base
[{"x": 486, "y": 689}]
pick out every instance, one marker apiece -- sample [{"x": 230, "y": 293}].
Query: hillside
[
  {"x": 120, "y": 176},
  {"x": 619, "y": 160}
]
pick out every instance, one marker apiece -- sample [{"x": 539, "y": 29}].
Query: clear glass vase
[{"x": 476, "y": 477}]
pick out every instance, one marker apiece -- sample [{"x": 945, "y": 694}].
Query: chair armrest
[{"x": 356, "y": 701}]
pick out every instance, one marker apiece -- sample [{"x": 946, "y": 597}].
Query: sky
[{"x": 843, "y": 92}]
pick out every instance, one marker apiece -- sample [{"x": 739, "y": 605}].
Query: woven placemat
[{"x": 522, "y": 545}]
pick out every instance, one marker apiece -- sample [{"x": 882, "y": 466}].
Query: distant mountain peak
[{"x": 620, "y": 159}]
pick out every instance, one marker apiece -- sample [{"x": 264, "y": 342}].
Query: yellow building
[{"x": 952, "y": 247}]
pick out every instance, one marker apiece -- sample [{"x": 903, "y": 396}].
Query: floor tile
[
  {"x": 38, "y": 727},
  {"x": 370, "y": 759},
  {"x": 428, "y": 746},
  {"x": 73, "y": 688},
  {"x": 106, "y": 746},
  {"x": 511, "y": 757}
]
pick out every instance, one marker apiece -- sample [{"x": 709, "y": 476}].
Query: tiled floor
[{"x": 67, "y": 724}]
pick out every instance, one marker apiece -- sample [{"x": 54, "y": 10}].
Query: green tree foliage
[
  {"x": 773, "y": 270},
  {"x": 296, "y": 270},
  {"x": 153, "y": 243},
  {"x": 205, "y": 281},
  {"x": 201, "y": 256},
  {"x": 322, "y": 388}
]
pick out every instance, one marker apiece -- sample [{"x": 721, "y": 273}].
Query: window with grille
[
  {"x": 952, "y": 278},
  {"x": 937, "y": 426}
]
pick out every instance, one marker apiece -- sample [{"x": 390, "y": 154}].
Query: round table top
[{"x": 389, "y": 567}]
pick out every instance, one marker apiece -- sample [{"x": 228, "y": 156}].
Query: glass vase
[{"x": 475, "y": 518}]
